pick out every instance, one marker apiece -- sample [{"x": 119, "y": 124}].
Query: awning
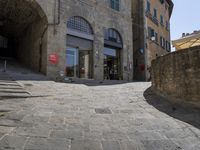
[{"x": 187, "y": 42}]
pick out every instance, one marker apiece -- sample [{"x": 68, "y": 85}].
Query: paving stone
[
  {"x": 1, "y": 135},
  {"x": 8, "y": 123},
  {"x": 103, "y": 111},
  {"x": 93, "y": 135},
  {"x": 114, "y": 136},
  {"x": 32, "y": 131},
  {"x": 35, "y": 119},
  {"x": 4, "y": 129},
  {"x": 189, "y": 143},
  {"x": 178, "y": 133},
  {"x": 47, "y": 144},
  {"x": 132, "y": 145},
  {"x": 111, "y": 145},
  {"x": 161, "y": 145},
  {"x": 12, "y": 142},
  {"x": 146, "y": 135},
  {"x": 72, "y": 134},
  {"x": 86, "y": 145}
]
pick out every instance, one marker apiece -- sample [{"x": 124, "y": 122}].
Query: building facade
[
  {"x": 80, "y": 39},
  {"x": 187, "y": 40},
  {"x": 151, "y": 32}
]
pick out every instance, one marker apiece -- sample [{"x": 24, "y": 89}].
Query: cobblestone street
[{"x": 107, "y": 116}]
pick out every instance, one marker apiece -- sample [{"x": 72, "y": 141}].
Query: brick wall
[{"x": 177, "y": 75}]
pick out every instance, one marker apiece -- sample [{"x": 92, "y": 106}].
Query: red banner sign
[{"x": 53, "y": 58}]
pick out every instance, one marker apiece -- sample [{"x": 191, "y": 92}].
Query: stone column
[
  {"x": 56, "y": 45},
  {"x": 98, "y": 57}
]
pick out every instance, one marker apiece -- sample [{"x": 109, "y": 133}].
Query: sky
[{"x": 185, "y": 17}]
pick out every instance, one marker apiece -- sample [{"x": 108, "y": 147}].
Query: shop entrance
[
  {"x": 112, "y": 55},
  {"x": 111, "y": 64},
  {"x": 79, "y": 54},
  {"x": 77, "y": 64}
]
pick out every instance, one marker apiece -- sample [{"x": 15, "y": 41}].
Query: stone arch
[
  {"x": 112, "y": 35},
  {"x": 24, "y": 24},
  {"x": 80, "y": 24}
]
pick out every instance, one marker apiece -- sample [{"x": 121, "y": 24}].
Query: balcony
[{"x": 153, "y": 19}]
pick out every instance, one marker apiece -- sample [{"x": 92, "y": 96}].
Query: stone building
[
  {"x": 187, "y": 41},
  {"x": 80, "y": 38},
  {"x": 151, "y": 33}
]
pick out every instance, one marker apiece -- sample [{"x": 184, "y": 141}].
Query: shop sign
[{"x": 53, "y": 58}]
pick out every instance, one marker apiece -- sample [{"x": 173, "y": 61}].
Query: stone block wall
[{"x": 177, "y": 75}]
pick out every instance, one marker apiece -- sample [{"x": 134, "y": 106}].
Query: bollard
[{"x": 5, "y": 66}]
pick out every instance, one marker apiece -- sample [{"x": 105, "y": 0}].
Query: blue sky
[{"x": 185, "y": 17}]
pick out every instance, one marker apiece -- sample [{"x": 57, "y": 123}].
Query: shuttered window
[{"x": 115, "y": 4}]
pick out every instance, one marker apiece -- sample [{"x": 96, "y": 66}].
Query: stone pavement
[{"x": 114, "y": 116}]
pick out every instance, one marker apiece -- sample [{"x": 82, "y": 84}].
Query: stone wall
[
  {"x": 177, "y": 75},
  {"x": 31, "y": 51}
]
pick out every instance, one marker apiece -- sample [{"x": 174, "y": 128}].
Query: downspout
[{"x": 58, "y": 10}]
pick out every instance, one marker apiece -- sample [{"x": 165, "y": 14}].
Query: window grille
[
  {"x": 79, "y": 24},
  {"x": 112, "y": 35}
]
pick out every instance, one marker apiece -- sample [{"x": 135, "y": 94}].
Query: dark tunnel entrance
[{"x": 23, "y": 35}]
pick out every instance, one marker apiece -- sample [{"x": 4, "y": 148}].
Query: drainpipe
[{"x": 58, "y": 13}]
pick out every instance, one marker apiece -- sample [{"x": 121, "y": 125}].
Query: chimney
[{"x": 195, "y": 31}]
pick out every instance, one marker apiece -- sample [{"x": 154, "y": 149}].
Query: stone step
[
  {"x": 13, "y": 91},
  {"x": 14, "y": 95},
  {"x": 10, "y": 87},
  {"x": 9, "y": 84}
]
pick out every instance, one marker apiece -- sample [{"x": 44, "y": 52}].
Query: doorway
[
  {"x": 111, "y": 64},
  {"x": 78, "y": 63}
]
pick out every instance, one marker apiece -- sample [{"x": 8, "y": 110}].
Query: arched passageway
[{"x": 23, "y": 35}]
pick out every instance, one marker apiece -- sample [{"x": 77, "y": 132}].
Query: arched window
[
  {"x": 79, "y": 24},
  {"x": 115, "y": 4},
  {"x": 112, "y": 35}
]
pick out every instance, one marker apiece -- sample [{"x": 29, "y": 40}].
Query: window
[
  {"x": 162, "y": 1},
  {"x": 161, "y": 20},
  {"x": 168, "y": 46},
  {"x": 156, "y": 37},
  {"x": 155, "y": 13},
  {"x": 162, "y": 42},
  {"x": 3, "y": 42},
  {"x": 148, "y": 6},
  {"x": 115, "y": 4},
  {"x": 112, "y": 35},
  {"x": 79, "y": 24},
  {"x": 167, "y": 26}
]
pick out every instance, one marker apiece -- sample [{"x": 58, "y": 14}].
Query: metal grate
[
  {"x": 103, "y": 111},
  {"x": 79, "y": 24},
  {"x": 112, "y": 35}
]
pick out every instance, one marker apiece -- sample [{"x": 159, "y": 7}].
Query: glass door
[
  {"x": 72, "y": 62},
  {"x": 111, "y": 64},
  {"x": 84, "y": 64}
]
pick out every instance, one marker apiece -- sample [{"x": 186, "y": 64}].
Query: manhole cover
[
  {"x": 24, "y": 72},
  {"x": 27, "y": 84},
  {"x": 103, "y": 111}
]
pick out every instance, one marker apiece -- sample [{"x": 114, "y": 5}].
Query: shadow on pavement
[
  {"x": 182, "y": 112},
  {"x": 96, "y": 82}
]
